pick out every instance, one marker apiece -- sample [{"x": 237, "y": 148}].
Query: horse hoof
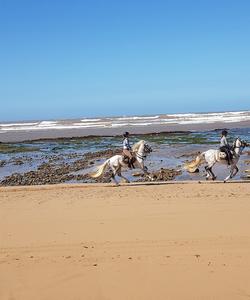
[{"x": 125, "y": 181}]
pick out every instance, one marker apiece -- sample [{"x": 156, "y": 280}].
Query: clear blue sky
[{"x": 72, "y": 58}]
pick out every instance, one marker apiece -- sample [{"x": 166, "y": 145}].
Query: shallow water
[{"x": 169, "y": 151}]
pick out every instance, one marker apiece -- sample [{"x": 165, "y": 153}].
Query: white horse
[
  {"x": 212, "y": 156},
  {"x": 116, "y": 162}
]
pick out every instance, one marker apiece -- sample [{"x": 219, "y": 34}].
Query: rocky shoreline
[
  {"x": 54, "y": 171},
  {"x": 70, "y": 160}
]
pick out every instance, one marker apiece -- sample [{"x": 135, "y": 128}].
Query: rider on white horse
[
  {"x": 213, "y": 156},
  {"x": 140, "y": 149},
  {"x": 225, "y": 147}
]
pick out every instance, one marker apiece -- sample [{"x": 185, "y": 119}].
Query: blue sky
[{"x": 70, "y": 58}]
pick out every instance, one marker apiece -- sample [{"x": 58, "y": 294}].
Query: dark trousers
[{"x": 228, "y": 154}]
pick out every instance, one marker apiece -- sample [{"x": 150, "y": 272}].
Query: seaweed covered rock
[{"x": 160, "y": 175}]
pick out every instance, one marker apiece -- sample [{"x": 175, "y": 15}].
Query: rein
[
  {"x": 140, "y": 156},
  {"x": 145, "y": 150}
]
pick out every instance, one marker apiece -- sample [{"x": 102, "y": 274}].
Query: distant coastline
[{"x": 111, "y": 126}]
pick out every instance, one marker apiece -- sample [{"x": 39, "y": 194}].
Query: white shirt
[
  {"x": 223, "y": 142},
  {"x": 126, "y": 144}
]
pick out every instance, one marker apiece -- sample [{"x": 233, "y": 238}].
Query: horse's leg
[
  {"x": 140, "y": 164},
  {"x": 213, "y": 175},
  {"x": 120, "y": 175},
  {"x": 114, "y": 171},
  {"x": 233, "y": 171},
  {"x": 236, "y": 170},
  {"x": 209, "y": 171},
  {"x": 208, "y": 174},
  {"x": 230, "y": 175}
]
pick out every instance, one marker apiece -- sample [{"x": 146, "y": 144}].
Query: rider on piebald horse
[
  {"x": 225, "y": 147},
  {"x": 127, "y": 150}
]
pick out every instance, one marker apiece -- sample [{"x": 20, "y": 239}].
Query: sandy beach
[{"x": 166, "y": 241}]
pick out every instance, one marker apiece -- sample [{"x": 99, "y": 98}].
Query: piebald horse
[
  {"x": 116, "y": 162},
  {"x": 211, "y": 157}
]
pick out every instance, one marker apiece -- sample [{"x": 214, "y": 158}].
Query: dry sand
[{"x": 172, "y": 241}]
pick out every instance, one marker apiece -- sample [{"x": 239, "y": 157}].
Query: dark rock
[
  {"x": 51, "y": 173},
  {"x": 161, "y": 175},
  {"x": 2, "y": 163}
]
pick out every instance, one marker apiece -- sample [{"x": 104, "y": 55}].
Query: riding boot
[
  {"x": 129, "y": 164},
  {"x": 229, "y": 161},
  {"x": 228, "y": 157}
]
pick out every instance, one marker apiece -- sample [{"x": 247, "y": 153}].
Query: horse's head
[
  {"x": 245, "y": 144},
  {"x": 147, "y": 148},
  {"x": 239, "y": 145},
  {"x": 142, "y": 147}
]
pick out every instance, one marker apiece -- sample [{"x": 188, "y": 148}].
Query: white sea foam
[
  {"x": 90, "y": 120},
  {"x": 167, "y": 119},
  {"x": 92, "y": 124},
  {"x": 137, "y": 118},
  {"x": 53, "y": 127},
  {"x": 17, "y": 124},
  {"x": 114, "y": 125},
  {"x": 140, "y": 124}
]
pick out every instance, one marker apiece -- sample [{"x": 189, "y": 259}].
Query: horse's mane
[{"x": 136, "y": 146}]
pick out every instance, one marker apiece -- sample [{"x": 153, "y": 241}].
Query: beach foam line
[
  {"x": 136, "y": 118},
  {"x": 119, "y": 122},
  {"x": 17, "y": 124},
  {"x": 91, "y": 120}
]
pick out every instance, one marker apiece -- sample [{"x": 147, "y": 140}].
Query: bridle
[
  {"x": 242, "y": 145},
  {"x": 147, "y": 149}
]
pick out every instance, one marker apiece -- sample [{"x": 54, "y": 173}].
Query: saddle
[
  {"x": 223, "y": 155},
  {"x": 128, "y": 161}
]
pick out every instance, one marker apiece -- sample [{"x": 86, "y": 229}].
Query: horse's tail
[
  {"x": 101, "y": 169},
  {"x": 194, "y": 164}
]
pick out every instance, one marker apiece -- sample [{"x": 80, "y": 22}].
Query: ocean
[{"x": 110, "y": 126}]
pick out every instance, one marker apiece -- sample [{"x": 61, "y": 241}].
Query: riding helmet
[
  {"x": 224, "y": 133},
  {"x": 126, "y": 134}
]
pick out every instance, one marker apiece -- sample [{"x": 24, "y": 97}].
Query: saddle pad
[{"x": 222, "y": 155}]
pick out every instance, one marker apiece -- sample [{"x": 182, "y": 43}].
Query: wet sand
[{"x": 169, "y": 241}]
